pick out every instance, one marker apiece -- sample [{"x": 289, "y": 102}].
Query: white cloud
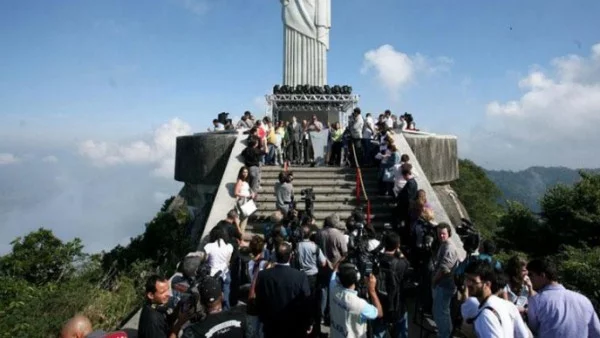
[
  {"x": 160, "y": 151},
  {"x": 395, "y": 69},
  {"x": 198, "y": 7},
  {"x": 7, "y": 158},
  {"x": 260, "y": 104},
  {"x": 50, "y": 159},
  {"x": 556, "y": 119}
]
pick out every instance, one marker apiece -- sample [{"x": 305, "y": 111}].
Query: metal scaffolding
[{"x": 277, "y": 103}]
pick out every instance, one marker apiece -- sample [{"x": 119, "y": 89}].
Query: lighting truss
[{"x": 311, "y": 102}]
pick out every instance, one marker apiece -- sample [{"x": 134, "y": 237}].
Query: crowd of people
[{"x": 298, "y": 276}]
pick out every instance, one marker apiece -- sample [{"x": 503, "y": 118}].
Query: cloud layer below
[
  {"x": 160, "y": 151},
  {"x": 554, "y": 122}
]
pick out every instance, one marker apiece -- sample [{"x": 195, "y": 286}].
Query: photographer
[
  {"x": 393, "y": 267},
  {"x": 156, "y": 319},
  {"x": 349, "y": 313},
  {"x": 284, "y": 192}
]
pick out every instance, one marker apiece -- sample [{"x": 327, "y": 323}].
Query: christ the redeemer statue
[{"x": 306, "y": 41}]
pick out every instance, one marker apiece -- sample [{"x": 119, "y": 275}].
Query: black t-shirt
[
  {"x": 252, "y": 157},
  {"x": 399, "y": 267},
  {"x": 231, "y": 230},
  {"x": 153, "y": 322},
  {"x": 225, "y": 324}
]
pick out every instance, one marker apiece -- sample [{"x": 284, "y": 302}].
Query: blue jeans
[
  {"x": 399, "y": 329},
  {"x": 226, "y": 291},
  {"x": 253, "y": 327},
  {"x": 442, "y": 296}
]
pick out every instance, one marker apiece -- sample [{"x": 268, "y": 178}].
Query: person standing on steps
[
  {"x": 443, "y": 280},
  {"x": 252, "y": 156},
  {"x": 294, "y": 132}
]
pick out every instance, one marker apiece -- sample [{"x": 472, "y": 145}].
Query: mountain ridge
[{"x": 529, "y": 185}]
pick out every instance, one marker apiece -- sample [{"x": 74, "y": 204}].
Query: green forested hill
[{"x": 529, "y": 185}]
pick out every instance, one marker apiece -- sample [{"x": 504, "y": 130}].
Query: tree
[
  {"x": 572, "y": 213},
  {"x": 40, "y": 258},
  {"x": 579, "y": 269},
  {"x": 479, "y": 195},
  {"x": 519, "y": 229}
]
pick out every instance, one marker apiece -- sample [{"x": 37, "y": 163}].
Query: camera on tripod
[
  {"x": 469, "y": 236},
  {"x": 308, "y": 195},
  {"x": 366, "y": 261}
]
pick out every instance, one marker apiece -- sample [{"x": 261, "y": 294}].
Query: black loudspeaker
[{"x": 223, "y": 118}]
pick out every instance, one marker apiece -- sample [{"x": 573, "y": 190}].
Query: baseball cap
[{"x": 210, "y": 290}]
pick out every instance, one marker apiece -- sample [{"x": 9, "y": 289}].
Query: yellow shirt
[
  {"x": 271, "y": 136},
  {"x": 336, "y": 135}
]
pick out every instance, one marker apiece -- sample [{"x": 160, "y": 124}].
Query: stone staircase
[{"x": 335, "y": 190}]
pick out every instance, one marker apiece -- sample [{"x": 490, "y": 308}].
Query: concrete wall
[
  {"x": 201, "y": 158},
  {"x": 437, "y": 154},
  {"x": 424, "y": 183},
  {"x": 452, "y": 205},
  {"x": 224, "y": 198}
]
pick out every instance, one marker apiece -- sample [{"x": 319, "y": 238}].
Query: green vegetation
[
  {"x": 44, "y": 281},
  {"x": 479, "y": 195},
  {"x": 566, "y": 229}
]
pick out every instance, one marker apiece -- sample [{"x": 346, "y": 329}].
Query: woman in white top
[
  {"x": 243, "y": 193},
  {"x": 242, "y": 187},
  {"x": 219, "y": 255}
]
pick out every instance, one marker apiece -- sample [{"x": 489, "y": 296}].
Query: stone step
[
  {"x": 319, "y": 182},
  {"x": 331, "y": 207},
  {"x": 261, "y": 215},
  {"x": 320, "y": 175},
  {"x": 268, "y": 168},
  {"x": 346, "y": 197},
  {"x": 347, "y": 189}
]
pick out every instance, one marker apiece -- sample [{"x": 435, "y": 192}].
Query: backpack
[{"x": 389, "y": 286}]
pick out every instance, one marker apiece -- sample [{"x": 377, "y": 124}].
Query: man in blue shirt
[
  {"x": 349, "y": 313},
  {"x": 555, "y": 311}
]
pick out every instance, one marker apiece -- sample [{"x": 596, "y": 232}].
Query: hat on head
[{"x": 210, "y": 290}]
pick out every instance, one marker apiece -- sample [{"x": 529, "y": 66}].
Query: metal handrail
[{"x": 360, "y": 184}]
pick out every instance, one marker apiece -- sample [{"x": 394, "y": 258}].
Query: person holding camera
[
  {"x": 393, "y": 267},
  {"x": 284, "y": 192},
  {"x": 157, "y": 318},
  {"x": 350, "y": 313}
]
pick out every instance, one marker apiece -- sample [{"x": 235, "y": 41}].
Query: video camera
[
  {"x": 194, "y": 271},
  {"x": 468, "y": 235},
  {"x": 366, "y": 261}
]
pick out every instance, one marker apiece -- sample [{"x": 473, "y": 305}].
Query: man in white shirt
[
  {"x": 350, "y": 313},
  {"x": 217, "y": 126},
  {"x": 495, "y": 317},
  {"x": 389, "y": 122}
]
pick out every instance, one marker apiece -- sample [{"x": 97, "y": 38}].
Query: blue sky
[{"x": 96, "y": 81}]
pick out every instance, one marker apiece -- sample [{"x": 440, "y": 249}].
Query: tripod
[{"x": 424, "y": 300}]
